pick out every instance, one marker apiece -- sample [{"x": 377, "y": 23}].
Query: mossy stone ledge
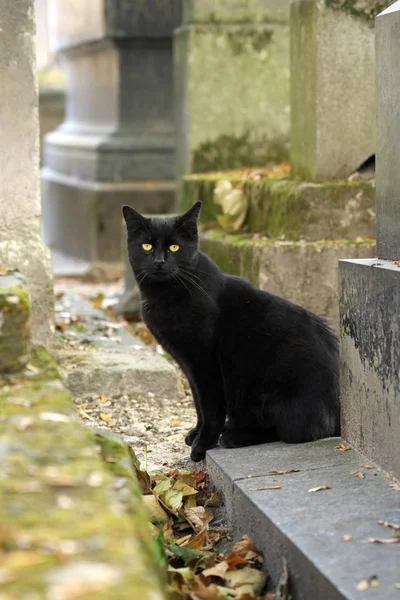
[
  {"x": 292, "y": 209},
  {"x": 15, "y": 321},
  {"x": 72, "y": 522}
]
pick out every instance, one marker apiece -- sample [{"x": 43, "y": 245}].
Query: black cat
[{"x": 261, "y": 369}]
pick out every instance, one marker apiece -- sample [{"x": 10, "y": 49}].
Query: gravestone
[
  {"x": 370, "y": 289},
  {"x": 231, "y": 64},
  {"x": 116, "y": 145},
  {"x": 332, "y": 87},
  {"x": 21, "y": 245}
]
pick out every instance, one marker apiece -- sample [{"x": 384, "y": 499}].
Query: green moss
[
  {"x": 365, "y": 10},
  {"x": 241, "y": 40},
  {"x": 234, "y": 152}
]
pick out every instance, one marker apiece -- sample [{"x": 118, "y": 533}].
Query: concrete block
[
  {"x": 15, "y": 322},
  {"x": 332, "y": 67},
  {"x": 292, "y": 209},
  {"x": 21, "y": 245},
  {"x": 370, "y": 359},
  {"x": 304, "y": 272},
  {"x": 219, "y": 65},
  {"x": 307, "y": 528},
  {"x": 387, "y": 166},
  {"x": 240, "y": 11}
]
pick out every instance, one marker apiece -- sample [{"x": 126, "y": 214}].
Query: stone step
[
  {"x": 306, "y": 528},
  {"x": 301, "y": 271},
  {"x": 120, "y": 364},
  {"x": 327, "y": 210},
  {"x": 72, "y": 524}
]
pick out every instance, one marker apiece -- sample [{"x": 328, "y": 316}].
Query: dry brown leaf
[
  {"x": 395, "y": 487},
  {"x": 106, "y": 417},
  {"x": 284, "y": 472},
  {"x": 198, "y": 541},
  {"x": 217, "y": 571},
  {"x": 321, "y": 487},
  {"x": 393, "y": 540},
  {"x": 343, "y": 447},
  {"x": 207, "y": 592},
  {"x": 394, "y": 526},
  {"x": 246, "y": 580},
  {"x": 347, "y": 538},
  {"x": 396, "y": 262},
  {"x": 245, "y": 546},
  {"x": 358, "y": 474},
  {"x": 368, "y": 466},
  {"x": 267, "y": 487},
  {"x": 368, "y": 582},
  {"x": 198, "y": 517}
]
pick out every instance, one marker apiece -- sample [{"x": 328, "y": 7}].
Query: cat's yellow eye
[
  {"x": 147, "y": 247},
  {"x": 174, "y": 248}
]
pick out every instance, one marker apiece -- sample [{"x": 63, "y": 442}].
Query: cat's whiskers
[
  {"x": 181, "y": 280},
  {"x": 191, "y": 279}
]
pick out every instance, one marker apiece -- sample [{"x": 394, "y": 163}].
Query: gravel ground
[{"x": 153, "y": 427}]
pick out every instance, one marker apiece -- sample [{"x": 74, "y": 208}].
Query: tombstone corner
[{"x": 370, "y": 289}]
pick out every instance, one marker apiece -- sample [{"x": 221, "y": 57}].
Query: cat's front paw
[
  {"x": 229, "y": 439},
  {"x": 191, "y": 436},
  {"x": 198, "y": 452}
]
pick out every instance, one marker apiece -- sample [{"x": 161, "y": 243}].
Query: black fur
[{"x": 260, "y": 368}]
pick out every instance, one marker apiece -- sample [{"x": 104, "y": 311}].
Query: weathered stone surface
[
  {"x": 208, "y": 11},
  {"x": 370, "y": 358},
  {"x": 21, "y": 245},
  {"x": 304, "y": 272},
  {"x": 308, "y": 528},
  {"x": 70, "y": 530},
  {"x": 332, "y": 90},
  {"x": 233, "y": 114},
  {"x": 107, "y": 154},
  {"x": 15, "y": 322},
  {"x": 315, "y": 211},
  {"x": 136, "y": 372},
  {"x": 388, "y": 172}
]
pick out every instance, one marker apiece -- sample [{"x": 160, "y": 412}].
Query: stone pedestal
[
  {"x": 231, "y": 62},
  {"x": 21, "y": 245},
  {"x": 116, "y": 144},
  {"x": 332, "y": 88},
  {"x": 370, "y": 289}
]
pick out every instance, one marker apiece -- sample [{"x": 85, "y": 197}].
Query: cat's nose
[{"x": 159, "y": 262}]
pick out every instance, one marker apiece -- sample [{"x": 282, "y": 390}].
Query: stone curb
[{"x": 286, "y": 520}]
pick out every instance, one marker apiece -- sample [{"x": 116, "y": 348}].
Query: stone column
[
  {"x": 370, "y": 289},
  {"x": 116, "y": 144},
  {"x": 231, "y": 61},
  {"x": 332, "y": 87},
  {"x": 21, "y": 245}
]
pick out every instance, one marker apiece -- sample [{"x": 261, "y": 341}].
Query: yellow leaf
[
  {"x": 175, "y": 422},
  {"x": 174, "y": 437},
  {"x": 320, "y": 487},
  {"x": 107, "y": 417}
]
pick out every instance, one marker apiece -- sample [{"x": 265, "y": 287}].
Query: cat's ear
[
  {"x": 190, "y": 217},
  {"x": 133, "y": 219}
]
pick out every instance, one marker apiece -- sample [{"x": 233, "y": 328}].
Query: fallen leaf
[
  {"x": 396, "y": 262},
  {"x": 394, "y": 526},
  {"x": 103, "y": 399},
  {"x": 367, "y": 583},
  {"x": 393, "y": 540},
  {"x": 368, "y": 466},
  {"x": 155, "y": 511},
  {"x": 284, "y": 472},
  {"x": 174, "y": 437},
  {"x": 186, "y": 490},
  {"x": 198, "y": 517},
  {"x": 189, "y": 556},
  {"x": 267, "y": 487},
  {"x": 358, "y": 474},
  {"x": 343, "y": 447},
  {"x": 84, "y": 414},
  {"x": 246, "y": 580},
  {"x": 207, "y": 592},
  {"x": 246, "y": 546},
  {"x": 174, "y": 422},
  {"x": 321, "y": 487},
  {"x": 347, "y": 538},
  {"x": 106, "y": 417},
  {"x": 395, "y": 487},
  {"x": 218, "y": 570}
]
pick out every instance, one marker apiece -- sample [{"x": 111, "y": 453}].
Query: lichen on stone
[{"x": 366, "y": 10}]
